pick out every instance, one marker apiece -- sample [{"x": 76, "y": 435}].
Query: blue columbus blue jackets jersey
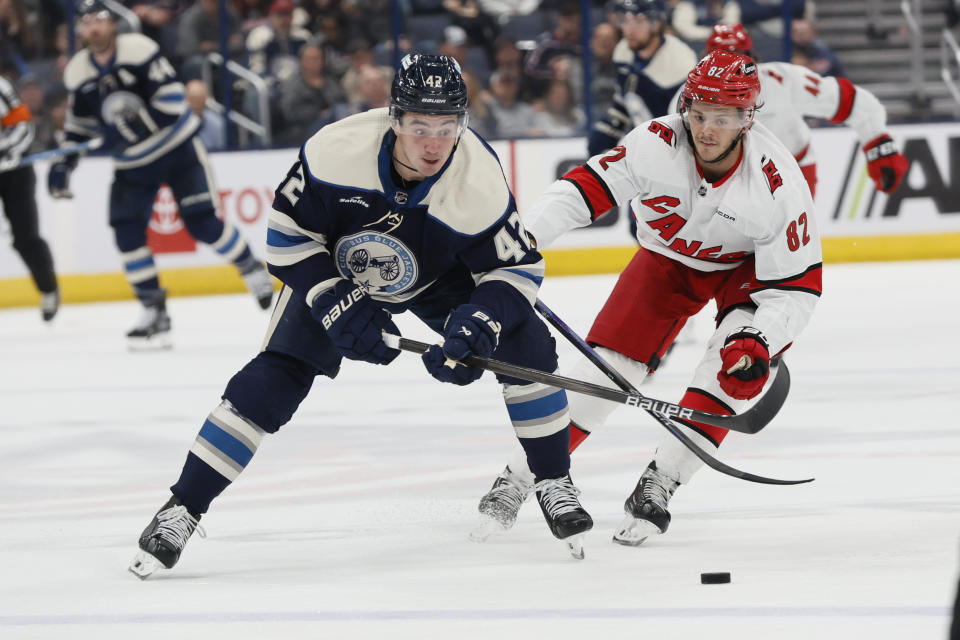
[
  {"x": 645, "y": 89},
  {"x": 134, "y": 101},
  {"x": 338, "y": 214}
]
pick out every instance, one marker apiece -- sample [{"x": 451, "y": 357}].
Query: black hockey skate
[
  {"x": 258, "y": 281},
  {"x": 49, "y": 304},
  {"x": 152, "y": 331},
  {"x": 500, "y": 506},
  {"x": 646, "y": 508},
  {"x": 568, "y": 521},
  {"x": 162, "y": 542}
]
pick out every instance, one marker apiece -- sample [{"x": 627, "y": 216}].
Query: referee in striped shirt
[{"x": 17, "y": 193}]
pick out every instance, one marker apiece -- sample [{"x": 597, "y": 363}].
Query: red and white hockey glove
[
  {"x": 746, "y": 363},
  {"x": 885, "y": 164}
]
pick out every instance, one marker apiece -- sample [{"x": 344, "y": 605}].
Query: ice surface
[{"x": 352, "y": 522}]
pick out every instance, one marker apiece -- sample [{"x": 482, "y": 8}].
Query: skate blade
[
  {"x": 633, "y": 531},
  {"x": 575, "y": 545},
  {"x": 487, "y": 527},
  {"x": 144, "y": 565},
  {"x": 156, "y": 343}
]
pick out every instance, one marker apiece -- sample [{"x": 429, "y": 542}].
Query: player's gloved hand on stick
[
  {"x": 355, "y": 323},
  {"x": 58, "y": 181},
  {"x": 469, "y": 330},
  {"x": 885, "y": 164},
  {"x": 746, "y": 363},
  {"x": 9, "y": 161}
]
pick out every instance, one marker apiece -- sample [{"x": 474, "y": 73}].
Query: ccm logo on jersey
[
  {"x": 663, "y": 408},
  {"x": 337, "y": 310}
]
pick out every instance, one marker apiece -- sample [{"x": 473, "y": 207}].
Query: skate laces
[
  {"x": 510, "y": 490},
  {"x": 176, "y": 524},
  {"x": 558, "y": 495},
  {"x": 657, "y": 488}
]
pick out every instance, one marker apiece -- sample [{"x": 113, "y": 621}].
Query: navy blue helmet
[
  {"x": 654, "y": 10},
  {"x": 428, "y": 84}
]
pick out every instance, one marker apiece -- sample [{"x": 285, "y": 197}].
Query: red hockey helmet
[
  {"x": 723, "y": 78},
  {"x": 730, "y": 37}
]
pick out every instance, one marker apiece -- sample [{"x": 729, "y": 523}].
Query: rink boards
[{"x": 920, "y": 221}]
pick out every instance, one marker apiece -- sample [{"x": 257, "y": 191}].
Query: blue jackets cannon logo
[{"x": 382, "y": 263}]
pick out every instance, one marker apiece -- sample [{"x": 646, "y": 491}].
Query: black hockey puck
[{"x": 715, "y": 578}]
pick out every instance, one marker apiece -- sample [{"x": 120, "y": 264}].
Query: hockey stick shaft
[
  {"x": 66, "y": 150},
  {"x": 750, "y": 421},
  {"x": 569, "y": 384}
]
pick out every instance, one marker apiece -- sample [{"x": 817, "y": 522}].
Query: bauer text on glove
[{"x": 355, "y": 323}]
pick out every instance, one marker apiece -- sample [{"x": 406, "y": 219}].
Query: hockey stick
[
  {"x": 66, "y": 150},
  {"x": 653, "y": 407},
  {"x": 750, "y": 421}
]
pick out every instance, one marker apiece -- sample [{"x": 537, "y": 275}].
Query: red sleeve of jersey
[
  {"x": 594, "y": 191},
  {"x": 847, "y": 93},
  {"x": 810, "y": 281}
]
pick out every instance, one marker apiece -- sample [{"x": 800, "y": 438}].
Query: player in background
[
  {"x": 122, "y": 88},
  {"x": 789, "y": 93},
  {"x": 724, "y": 213},
  {"x": 651, "y": 65},
  {"x": 18, "y": 194},
  {"x": 391, "y": 210}
]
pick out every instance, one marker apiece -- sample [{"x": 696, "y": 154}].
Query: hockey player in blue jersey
[
  {"x": 651, "y": 66},
  {"x": 122, "y": 89},
  {"x": 388, "y": 211}
]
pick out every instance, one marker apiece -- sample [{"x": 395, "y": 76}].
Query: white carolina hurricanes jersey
[
  {"x": 761, "y": 208},
  {"x": 789, "y": 93}
]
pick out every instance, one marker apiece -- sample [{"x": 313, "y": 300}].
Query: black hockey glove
[
  {"x": 355, "y": 323},
  {"x": 58, "y": 181},
  {"x": 470, "y": 330}
]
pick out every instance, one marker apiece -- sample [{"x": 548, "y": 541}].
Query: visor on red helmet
[
  {"x": 724, "y": 79},
  {"x": 730, "y": 37}
]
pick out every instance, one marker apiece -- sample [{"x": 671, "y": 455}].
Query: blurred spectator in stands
[
  {"x": 199, "y": 33},
  {"x": 481, "y": 117},
  {"x": 50, "y": 134},
  {"x": 693, "y": 20},
  {"x": 213, "y": 126},
  {"x": 48, "y": 16},
  {"x": 482, "y": 28},
  {"x": 503, "y": 10},
  {"x": 818, "y": 56},
  {"x": 514, "y": 117},
  {"x": 369, "y": 18},
  {"x": 559, "y": 115},
  {"x": 604, "y": 79},
  {"x": 360, "y": 54},
  {"x": 454, "y": 44},
  {"x": 273, "y": 49},
  {"x": 305, "y": 101},
  {"x": 334, "y": 33},
  {"x": 252, "y": 13},
  {"x": 764, "y": 20},
  {"x": 157, "y": 21},
  {"x": 31, "y": 93},
  {"x": 563, "y": 41},
  {"x": 18, "y": 42},
  {"x": 373, "y": 92}
]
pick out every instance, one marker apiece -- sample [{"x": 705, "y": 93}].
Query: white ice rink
[{"x": 352, "y": 522}]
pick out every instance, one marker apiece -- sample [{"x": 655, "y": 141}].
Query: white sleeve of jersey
[
  {"x": 837, "y": 100},
  {"x": 586, "y": 192},
  {"x": 789, "y": 263}
]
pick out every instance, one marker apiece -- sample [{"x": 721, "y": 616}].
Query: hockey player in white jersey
[
  {"x": 724, "y": 214},
  {"x": 121, "y": 89},
  {"x": 789, "y": 93}
]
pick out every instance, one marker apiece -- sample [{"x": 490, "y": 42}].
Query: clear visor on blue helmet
[{"x": 428, "y": 125}]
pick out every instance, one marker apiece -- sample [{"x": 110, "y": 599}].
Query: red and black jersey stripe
[
  {"x": 594, "y": 191},
  {"x": 847, "y": 94},
  {"x": 810, "y": 281}
]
